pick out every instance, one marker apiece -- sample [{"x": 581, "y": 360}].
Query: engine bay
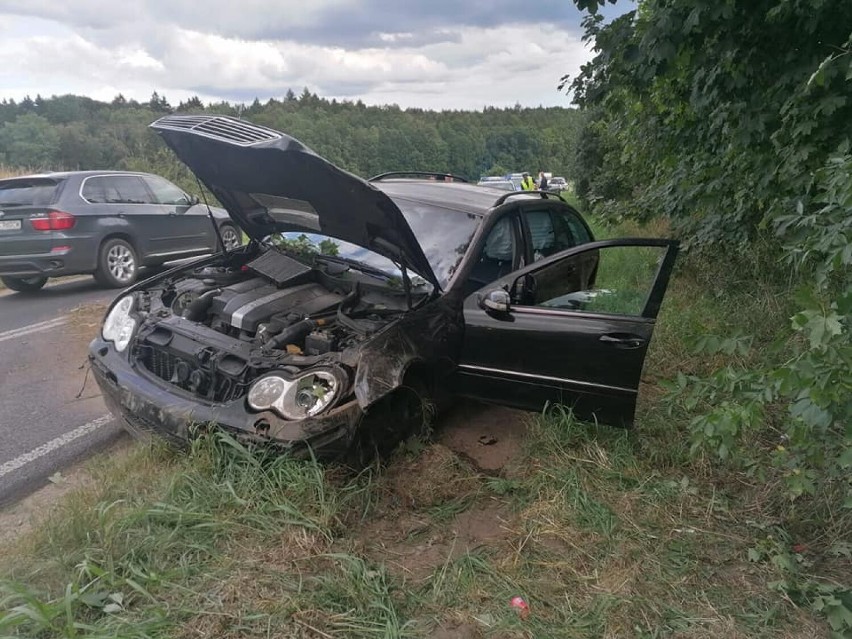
[{"x": 213, "y": 330}]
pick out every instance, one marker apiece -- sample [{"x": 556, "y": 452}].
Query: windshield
[
  {"x": 443, "y": 234},
  {"x": 308, "y": 245},
  {"x": 27, "y": 192}
]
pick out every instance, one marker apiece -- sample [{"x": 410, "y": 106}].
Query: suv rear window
[{"x": 28, "y": 192}]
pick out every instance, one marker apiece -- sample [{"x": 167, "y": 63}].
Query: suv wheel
[
  {"x": 230, "y": 237},
  {"x": 117, "y": 264},
  {"x": 24, "y": 284}
]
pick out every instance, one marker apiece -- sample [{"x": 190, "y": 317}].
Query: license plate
[{"x": 10, "y": 225}]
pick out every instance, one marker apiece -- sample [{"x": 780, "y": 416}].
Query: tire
[
  {"x": 231, "y": 237},
  {"x": 24, "y": 284},
  {"x": 118, "y": 264},
  {"x": 407, "y": 412}
]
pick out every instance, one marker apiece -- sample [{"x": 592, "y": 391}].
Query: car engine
[{"x": 213, "y": 330}]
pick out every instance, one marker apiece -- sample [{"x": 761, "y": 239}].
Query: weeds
[{"x": 604, "y": 532}]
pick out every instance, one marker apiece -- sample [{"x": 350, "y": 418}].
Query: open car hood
[{"x": 270, "y": 182}]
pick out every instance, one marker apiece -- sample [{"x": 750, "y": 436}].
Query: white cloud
[{"x": 101, "y": 48}]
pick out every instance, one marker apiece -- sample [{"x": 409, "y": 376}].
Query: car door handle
[{"x": 622, "y": 340}]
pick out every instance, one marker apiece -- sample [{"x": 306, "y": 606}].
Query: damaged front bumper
[{"x": 145, "y": 406}]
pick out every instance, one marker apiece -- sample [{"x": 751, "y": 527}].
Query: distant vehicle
[
  {"x": 557, "y": 184},
  {"x": 515, "y": 178},
  {"x": 503, "y": 185},
  {"x": 108, "y": 223}
]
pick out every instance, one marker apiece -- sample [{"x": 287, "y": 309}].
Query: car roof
[
  {"x": 456, "y": 196},
  {"x": 61, "y": 175}
]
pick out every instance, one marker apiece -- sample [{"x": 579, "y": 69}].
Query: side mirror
[
  {"x": 496, "y": 301},
  {"x": 193, "y": 199}
]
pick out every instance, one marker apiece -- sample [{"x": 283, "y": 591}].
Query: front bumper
[{"x": 146, "y": 406}]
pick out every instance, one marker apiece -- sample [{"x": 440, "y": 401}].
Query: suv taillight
[{"x": 53, "y": 221}]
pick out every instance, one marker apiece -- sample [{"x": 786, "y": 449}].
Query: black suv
[
  {"x": 107, "y": 223},
  {"x": 359, "y": 304}
]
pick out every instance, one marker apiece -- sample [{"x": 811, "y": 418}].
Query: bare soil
[
  {"x": 490, "y": 437},
  {"x": 432, "y": 510}
]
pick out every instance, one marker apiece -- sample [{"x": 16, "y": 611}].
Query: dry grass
[
  {"x": 605, "y": 533},
  {"x": 12, "y": 171}
]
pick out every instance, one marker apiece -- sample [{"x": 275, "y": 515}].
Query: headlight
[
  {"x": 305, "y": 396},
  {"x": 119, "y": 326}
]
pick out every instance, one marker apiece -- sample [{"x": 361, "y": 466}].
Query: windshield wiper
[{"x": 364, "y": 268}]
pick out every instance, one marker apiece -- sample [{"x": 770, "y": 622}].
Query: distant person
[
  {"x": 527, "y": 183},
  {"x": 542, "y": 181}
]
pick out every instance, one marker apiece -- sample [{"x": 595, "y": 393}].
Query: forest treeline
[{"x": 75, "y": 132}]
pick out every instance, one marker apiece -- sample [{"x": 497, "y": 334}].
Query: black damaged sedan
[{"x": 359, "y": 305}]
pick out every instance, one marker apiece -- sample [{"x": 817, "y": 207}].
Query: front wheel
[
  {"x": 24, "y": 284},
  {"x": 117, "y": 264},
  {"x": 409, "y": 411},
  {"x": 230, "y": 237}
]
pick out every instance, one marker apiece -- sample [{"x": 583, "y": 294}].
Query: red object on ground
[{"x": 522, "y": 606}]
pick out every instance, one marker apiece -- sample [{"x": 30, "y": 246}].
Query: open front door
[{"x": 571, "y": 329}]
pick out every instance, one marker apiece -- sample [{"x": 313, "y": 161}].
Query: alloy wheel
[
  {"x": 121, "y": 263},
  {"x": 230, "y": 238}
]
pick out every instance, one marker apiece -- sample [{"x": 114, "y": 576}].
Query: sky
[{"x": 441, "y": 54}]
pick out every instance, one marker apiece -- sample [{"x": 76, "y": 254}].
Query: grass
[{"x": 604, "y": 532}]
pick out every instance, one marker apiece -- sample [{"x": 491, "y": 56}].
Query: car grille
[
  {"x": 237, "y": 132},
  {"x": 183, "y": 374}
]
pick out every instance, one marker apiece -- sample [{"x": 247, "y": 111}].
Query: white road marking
[
  {"x": 32, "y": 328},
  {"x": 54, "y": 444}
]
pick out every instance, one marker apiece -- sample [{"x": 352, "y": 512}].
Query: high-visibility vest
[{"x": 527, "y": 184}]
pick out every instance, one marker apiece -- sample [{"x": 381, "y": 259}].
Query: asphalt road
[{"x": 44, "y": 426}]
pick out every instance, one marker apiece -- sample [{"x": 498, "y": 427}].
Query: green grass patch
[{"x": 604, "y": 532}]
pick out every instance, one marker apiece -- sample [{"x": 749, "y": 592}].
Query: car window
[
  {"x": 28, "y": 192},
  {"x": 443, "y": 234},
  {"x": 165, "y": 192},
  {"x": 116, "y": 189},
  {"x": 614, "y": 280},
  {"x": 500, "y": 255},
  {"x": 553, "y": 230}
]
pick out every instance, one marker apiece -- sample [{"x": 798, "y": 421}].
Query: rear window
[{"x": 28, "y": 192}]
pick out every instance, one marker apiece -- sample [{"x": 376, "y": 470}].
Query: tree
[
  {"x": 704, "y": 109},
  {"x": 159, "y": 104},
  {"x": 29, "y": 141},
  {"x": 192, "y": 104},
  {"x": 732, "y": 118}
]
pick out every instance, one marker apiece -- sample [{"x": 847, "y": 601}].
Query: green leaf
[{"x": 839, "y": 617}]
